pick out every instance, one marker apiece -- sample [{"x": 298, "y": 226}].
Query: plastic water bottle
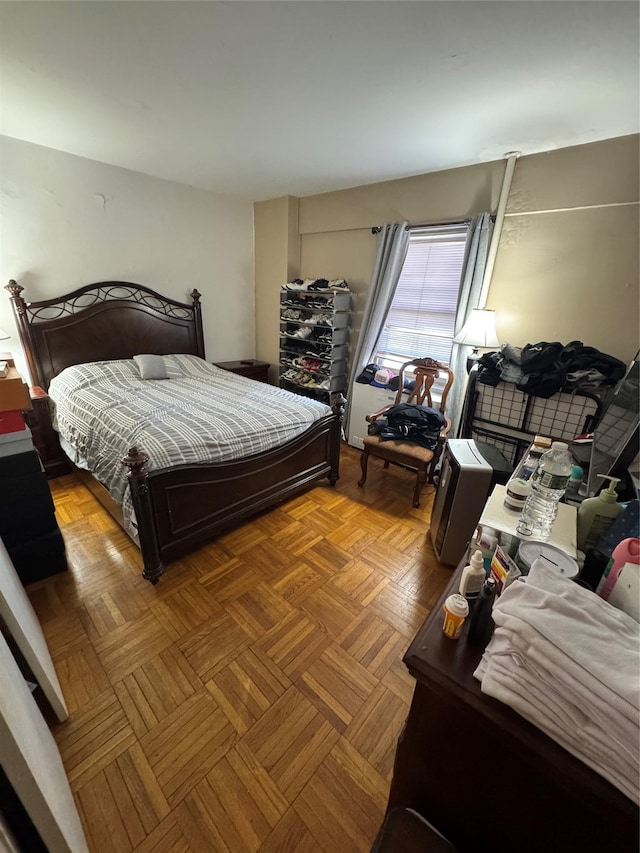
[{"x": 548, "y": 485}]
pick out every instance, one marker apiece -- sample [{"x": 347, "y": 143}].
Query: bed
[{"x": 177, "y": 507}]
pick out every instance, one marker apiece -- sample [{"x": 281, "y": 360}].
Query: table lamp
[{"x": 478, "y": 331}]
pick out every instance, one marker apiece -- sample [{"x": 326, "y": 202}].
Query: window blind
[{"x": 422, "y": 316}]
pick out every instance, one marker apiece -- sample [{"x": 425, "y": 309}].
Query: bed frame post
[
  {"x": 136, "y": 461},
  {"x": 24, "y": 329},
  {"x": 197, "y": 312},
  {"x": 338, "y": 402}
]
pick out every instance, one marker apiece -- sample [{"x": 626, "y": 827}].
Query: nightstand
[
  {"x": 45, "y": 438},
  {"x": 250, "y": 367}
]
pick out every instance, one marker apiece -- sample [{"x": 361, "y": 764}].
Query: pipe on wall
[{"x": 511, "y": 158}]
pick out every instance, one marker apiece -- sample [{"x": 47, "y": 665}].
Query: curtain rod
[{"x": 378, "y": 228}]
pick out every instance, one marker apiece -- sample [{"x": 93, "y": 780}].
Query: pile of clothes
[
  {"x": 410, "y": 422},
  {"x": 545, "y": 368},
  {"x": 569, "y": 662}
]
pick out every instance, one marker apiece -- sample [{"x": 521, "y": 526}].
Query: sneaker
[
  {"x": 320, "y": 320},
  {"x": 291, "y": 314},
  {"x": 302, "y": 333}
]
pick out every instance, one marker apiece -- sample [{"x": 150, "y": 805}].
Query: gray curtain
[
  {"x": 393, "y": 243},
  {"x": 470, "y": 289}
]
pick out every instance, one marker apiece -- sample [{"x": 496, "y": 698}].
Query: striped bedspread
[{"x": 200, "y": 414}]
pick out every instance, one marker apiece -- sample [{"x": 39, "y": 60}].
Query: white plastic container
[
  {"x": 473, "y": 576},
  {"x": 552, "y": 557},
  {"x": 517, "y": 492}
]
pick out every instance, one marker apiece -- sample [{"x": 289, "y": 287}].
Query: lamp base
[{"x": 472, "y": 359}]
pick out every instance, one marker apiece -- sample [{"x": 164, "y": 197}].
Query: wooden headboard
[{"x": 101, "y": 322}]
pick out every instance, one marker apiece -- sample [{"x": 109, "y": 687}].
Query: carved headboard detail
[{"x": 101, "y": 322}]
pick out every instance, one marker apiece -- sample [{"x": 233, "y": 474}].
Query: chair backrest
[{"x": 425, "y": 371}]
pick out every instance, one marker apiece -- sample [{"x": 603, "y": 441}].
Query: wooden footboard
[{"x": 181, "y": 508}]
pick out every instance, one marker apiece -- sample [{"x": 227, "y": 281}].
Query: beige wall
[
  {"x": 567, "y": 266},
  {"x": 277, "y": 260},
  {"x": 68, "y": 221}
]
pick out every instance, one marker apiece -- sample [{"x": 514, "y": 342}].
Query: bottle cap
[
  {"x": 488, "y": 587},
  {"x": 457, "y": 604},
  {"x": 559, "y": 445},
  {"x": 576, "y": 472},
  {"x": 477, "y": 560},
  {"x": 519, "y": 488}
]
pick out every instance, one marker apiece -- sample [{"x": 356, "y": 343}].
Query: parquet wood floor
[{"x": 253, "y": 699}]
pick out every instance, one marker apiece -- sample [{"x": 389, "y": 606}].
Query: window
[{"x": 422, "y": 316}]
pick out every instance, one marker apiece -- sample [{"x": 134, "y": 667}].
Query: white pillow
[{"x": 151, "y": 366}]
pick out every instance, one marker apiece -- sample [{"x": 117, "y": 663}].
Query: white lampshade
[{"x": 479, "y": 330}]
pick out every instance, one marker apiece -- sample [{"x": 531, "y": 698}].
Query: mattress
[{"x": 199, "y": 414}]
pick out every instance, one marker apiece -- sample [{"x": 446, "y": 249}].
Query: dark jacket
[{"x": 411, "y": 422}]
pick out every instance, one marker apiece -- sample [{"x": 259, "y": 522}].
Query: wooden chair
[{"x": 409, "y": 454}]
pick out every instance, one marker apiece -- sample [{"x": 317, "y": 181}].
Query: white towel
[
  {"x": 570, "y": 663},
  {"x": 568, "y": 724}
]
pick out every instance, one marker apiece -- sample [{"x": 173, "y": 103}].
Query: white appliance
[
  {"x": 365, "y": 400},
  {"x": 465, "y": 481}
]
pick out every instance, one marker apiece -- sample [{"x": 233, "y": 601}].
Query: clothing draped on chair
[
  {"x": 470, "y": 289},
  {"x": 392, "y": 251},
  {"x": 398, "y": 440}
]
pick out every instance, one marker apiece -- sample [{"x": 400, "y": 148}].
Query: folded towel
[
  {"x": 593, "y": 641},
  {"x": 570, "y": 663},
  {"x": 537, "y": 702}
]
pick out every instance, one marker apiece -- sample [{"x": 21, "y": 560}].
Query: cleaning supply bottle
[
  {"x": 473, "y": 576},
  {"x": 596, "y": 515},
  {"x": 628, "y": 551}
]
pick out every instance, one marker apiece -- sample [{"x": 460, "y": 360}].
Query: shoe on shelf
[{"x": 302, "y": 333}]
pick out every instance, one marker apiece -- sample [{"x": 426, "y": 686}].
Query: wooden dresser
[
  {"x": 487, "y": 779},
  {"x": 28, "y": 525}
]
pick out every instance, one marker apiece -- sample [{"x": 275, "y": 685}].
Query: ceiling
[{"x": 263, "y": 99}]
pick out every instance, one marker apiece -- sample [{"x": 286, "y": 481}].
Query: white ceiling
[{"x": 263, "y": 99}]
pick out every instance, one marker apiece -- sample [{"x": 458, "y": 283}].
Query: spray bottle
[{"x": 596, "y": 515}]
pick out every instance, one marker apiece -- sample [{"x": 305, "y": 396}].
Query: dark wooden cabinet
[
  {"x": 45, "y": 438},
  {"x": 487, "y": 779},
  {"x": 28, "y": 525},
  {"x": 250, "y": 367}
]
